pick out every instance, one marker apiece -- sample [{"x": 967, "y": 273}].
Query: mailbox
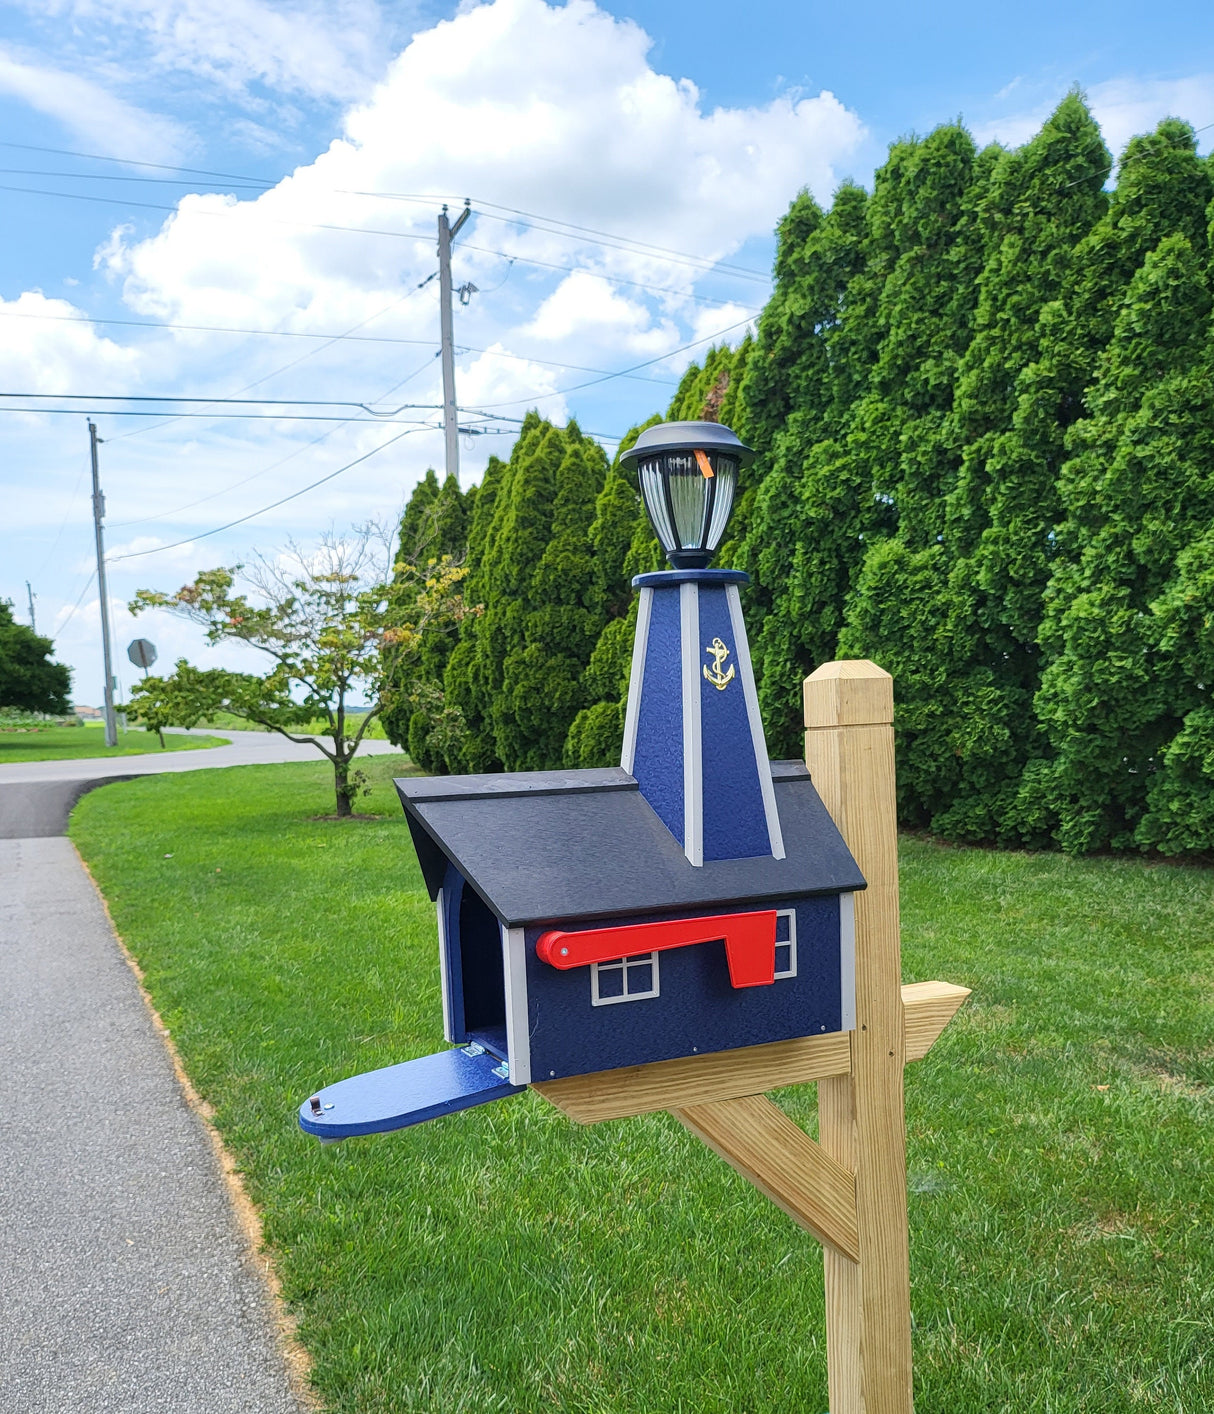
[{"x": 696, "y": 898}]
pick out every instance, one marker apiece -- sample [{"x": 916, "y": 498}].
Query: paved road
[
  {"x": 36, "y": 797},
  {"x": 125, "y": 1284}
]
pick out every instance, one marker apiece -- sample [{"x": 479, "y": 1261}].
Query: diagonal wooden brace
[{"x": 758, "y": 1139}]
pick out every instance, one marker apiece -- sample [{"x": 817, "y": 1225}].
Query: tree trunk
[{"x": 341, "y": 782}]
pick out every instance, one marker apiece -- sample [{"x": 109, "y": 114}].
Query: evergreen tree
[
  {"x": 1138, "y": 493},
  {"x": 465, "y": 689},
  {"x": 415, "y": 715},
  {"x": 801, "y": 377},
  {"x": 965, "y": 751},
  {"x": 516, "y": 673}
]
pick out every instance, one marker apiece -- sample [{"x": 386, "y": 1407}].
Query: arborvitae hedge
[{"x": 983, "y": 402}]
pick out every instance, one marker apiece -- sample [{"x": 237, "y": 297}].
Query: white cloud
[
  {"x": 1123, "y": 107},
  {"x": 48, "y": 346},
  {"x": 325, "y": 49},
  {"x": 89, "y": 112},
  {"x": 538, "y": 108},
  {"x": 587, "y": 308}
]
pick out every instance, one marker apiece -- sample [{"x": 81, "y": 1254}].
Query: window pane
[
  {"x": 640, "y": 978},
  {"x": 611, "y": 981}
]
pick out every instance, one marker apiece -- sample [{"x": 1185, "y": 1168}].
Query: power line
[
  {"x": 266, "y": 183},
  {"x": 217, "y": 401},
  {"x": 87, "y": 586},
  {"x": 300, "y": 334},
  {"x": 257, "y": 382},
  {"x": 217, "y": 416},
  {"x": 558, "y": 392},
  {"x": 315, "y": 442},
  {"x": 375, "y": 231},
  {"x": 282, "y": 501}
]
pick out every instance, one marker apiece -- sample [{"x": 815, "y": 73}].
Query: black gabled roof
[{"x": 552, "y": 846}]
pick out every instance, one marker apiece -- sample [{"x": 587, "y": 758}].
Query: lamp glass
[{"x": 688, "y": 510}]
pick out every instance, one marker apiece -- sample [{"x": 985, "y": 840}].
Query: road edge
[{"x": 295, "y": 1356}]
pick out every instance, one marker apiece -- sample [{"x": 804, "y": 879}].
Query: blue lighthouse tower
[
  {"x": 693, "y": 737},
  {"x": 696, "y": 898}
]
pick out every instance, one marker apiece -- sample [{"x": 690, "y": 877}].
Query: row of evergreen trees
[{"x": 982, "y": 398}]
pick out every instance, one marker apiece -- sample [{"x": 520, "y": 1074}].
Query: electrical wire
[
  {"x": 87, "y": 586},
  {"x": 235, "y": 485},
  {"x": 593, "y": 382},
  {"x": 282, "y": 501},
  {"x": 309, "y": 353},
  {"x": 551, "y": 224},
  {"x": 298, "y": 334},
  {"x": 374, "y": 231},
  {"x": 211, "y": 416}
]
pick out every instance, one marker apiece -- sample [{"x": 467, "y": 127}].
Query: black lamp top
[{"x": 688, "y": 437}]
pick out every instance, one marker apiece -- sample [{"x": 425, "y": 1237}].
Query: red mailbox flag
[{"x": 749, "y": 938}]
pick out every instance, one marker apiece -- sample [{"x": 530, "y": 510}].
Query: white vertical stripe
[
  {"x": 693, "y": 762},
  {"x": 518, "y": 1037},
  {"x": 775, "y": 835},
  {"x": 639, "y": 646},
  {"x": 444, "y": 967},
  {"x": 847, "y": 959}
]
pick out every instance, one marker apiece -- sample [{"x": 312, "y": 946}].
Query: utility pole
[
  {"x": 111, "y": 722},
  {"x": 30, "y": 594},
  {"x": 446, "y": 234}
]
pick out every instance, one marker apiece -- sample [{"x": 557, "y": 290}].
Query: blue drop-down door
[{"x": 410, "y": 1093}]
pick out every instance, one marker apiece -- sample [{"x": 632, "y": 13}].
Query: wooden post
[{"x": 849, "y": 749}]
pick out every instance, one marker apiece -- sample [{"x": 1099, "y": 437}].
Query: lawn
[
  {"x": 1060, "y": 1151},
  {"x": 70, "y": 743}
]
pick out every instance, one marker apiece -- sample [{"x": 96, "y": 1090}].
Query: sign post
[{"x": 142, "y": 652}]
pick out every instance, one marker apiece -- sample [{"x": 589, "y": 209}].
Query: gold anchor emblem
[{"x": 715, "y": 676}]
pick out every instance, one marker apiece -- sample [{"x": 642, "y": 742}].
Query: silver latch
[
  {"x": 472, "y": 1049},
  {"x": 502, "y": 1071}
]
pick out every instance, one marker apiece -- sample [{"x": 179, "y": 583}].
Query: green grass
[
  {"x": 69, "y": 743},
  {"x": 316, "y": 727},
  {"x": 1060, "y": 1152}
]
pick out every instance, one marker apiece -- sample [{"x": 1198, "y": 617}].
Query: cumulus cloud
[
  {"x": 48, "y": 346},
  {"x": 519, "y": 103},
  {"x": 89, "y": 112},
  {"x": 1123, "y": 107}
]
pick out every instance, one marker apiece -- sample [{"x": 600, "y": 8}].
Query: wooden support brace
[
  {"x": 759, "y": 1140},
  {"x": 751, "y": 1070}
]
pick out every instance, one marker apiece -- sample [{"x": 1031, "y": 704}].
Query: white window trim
[
  {"x": 623, "y": 964},
  {"x": 790, "y": 944}
]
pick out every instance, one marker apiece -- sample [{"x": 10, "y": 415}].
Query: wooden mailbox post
[{"x": 849, "y": 1189}]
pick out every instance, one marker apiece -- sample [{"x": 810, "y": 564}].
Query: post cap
[{"x": 851, "y": 692}]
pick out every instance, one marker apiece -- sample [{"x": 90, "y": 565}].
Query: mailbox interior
[{"x": 474, "y": 952}]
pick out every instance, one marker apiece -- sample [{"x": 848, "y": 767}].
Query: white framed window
[
  {"x": 627, "y": 979},
  {"x": 786, "y": 943}
]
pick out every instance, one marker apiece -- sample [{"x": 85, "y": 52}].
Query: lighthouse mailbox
[
  {"x": 698, "y": 898},
  {"x": 682, "y": 932}
]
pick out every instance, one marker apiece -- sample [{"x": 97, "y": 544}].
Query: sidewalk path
[
  {"x": 36, "y": 797},
  {"x": 126, "y": 1286}
]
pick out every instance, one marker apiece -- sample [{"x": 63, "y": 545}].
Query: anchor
[{"x": 719, "y": 653}]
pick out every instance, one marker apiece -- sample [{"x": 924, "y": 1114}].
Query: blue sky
[{"x": 681, "y": 126}]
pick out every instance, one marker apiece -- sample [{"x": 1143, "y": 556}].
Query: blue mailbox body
[{"x": 696, "y": 898}]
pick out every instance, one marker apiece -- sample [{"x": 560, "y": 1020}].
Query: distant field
[
  {"x": 1060, "y": 1156},
  {"x": 68, "y": 743}
]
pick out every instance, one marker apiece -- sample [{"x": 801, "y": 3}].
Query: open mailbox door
[{"x": 410, "y": 1093}]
